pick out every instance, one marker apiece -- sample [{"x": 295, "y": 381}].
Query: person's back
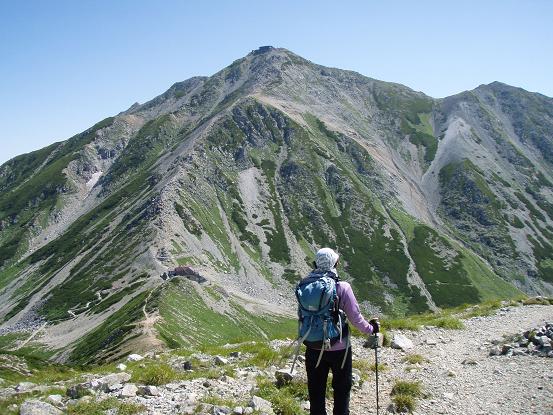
[{"x": 319, "y": 360}]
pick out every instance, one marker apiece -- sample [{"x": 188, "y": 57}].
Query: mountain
[{"x": 432, "y": 203}]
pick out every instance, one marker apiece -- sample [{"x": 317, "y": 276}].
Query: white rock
[
  {"x": 121, "y": 367},
  {"x": 261, "y": 405},
  {"x": 399, "y": 341},
  {"x": 134, "y": 357},
  {"x": 128, "y": 391},
  {"x": 35, "y": 407},
  {"x": 113, "y": 379},
  {"x": 24, "y": 386},
  {"x": 55, "y": 399}
]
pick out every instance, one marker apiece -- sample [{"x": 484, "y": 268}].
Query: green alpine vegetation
[{"x": 185, "y": 222}]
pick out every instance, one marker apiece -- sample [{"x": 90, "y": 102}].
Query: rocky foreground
[{"x": 497, "y": 364}]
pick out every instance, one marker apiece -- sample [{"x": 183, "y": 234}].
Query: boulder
[
  {"x": 220, "y": 361},
  {"x": 78, "y": 391},
  {"x": 107, "y": 381},
  {"x": 25, "y": 386},
  {"x": 55, "y": 399},
  {"x": 35, "y": 407},
  {"x": 148, "y": 390},
  {"x": 261, "y": 405},
  {"x": 134, "y": 357},
  {"x": 399, "y": 341},
  {"x": 283, "y": 376},
  {"x": 128, "y": 391}
]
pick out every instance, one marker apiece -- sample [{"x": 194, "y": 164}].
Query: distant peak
[{"x": 262, "y": 49}]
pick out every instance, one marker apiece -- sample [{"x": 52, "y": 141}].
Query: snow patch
[{"x": 93, "y": 180}]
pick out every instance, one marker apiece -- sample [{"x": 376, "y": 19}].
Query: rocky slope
[
  {"x": 455, "y": 370},
  {"x": 241, "y": 175}
]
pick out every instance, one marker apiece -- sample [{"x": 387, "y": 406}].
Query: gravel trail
[{"x": 460, "y": 377}]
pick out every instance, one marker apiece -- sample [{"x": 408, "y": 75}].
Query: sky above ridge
[{"x": 65, "y": 65}]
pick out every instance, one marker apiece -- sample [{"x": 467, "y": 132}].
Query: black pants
[{"x": 317, "y": 377}]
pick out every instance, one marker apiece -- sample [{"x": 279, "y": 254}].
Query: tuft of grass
[
  {"x": 443, "y": 320},
  {"x": 537, "y": 301},
  {"x": 404, "y": 403},
  {"x": 155, "y": 374},
  {"x": 406, "y": 387},
  {"x": 449, "y": 322},
  {"x": 99, "y": 407},
  {"x": 286, "y": 399},
  {"x": 414, "y": 359},
  {"x": 404, "y": 394}
]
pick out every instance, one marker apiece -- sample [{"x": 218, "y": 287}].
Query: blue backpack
[{"x": 321, "y": 323}]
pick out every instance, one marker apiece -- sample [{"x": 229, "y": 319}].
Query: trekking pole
[{"x": 376, "y": 368}]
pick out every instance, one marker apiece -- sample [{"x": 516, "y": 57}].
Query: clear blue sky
[{"x": 65, "y": 65}]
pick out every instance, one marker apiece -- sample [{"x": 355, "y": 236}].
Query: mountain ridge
[{"x": 432, "y": 202}]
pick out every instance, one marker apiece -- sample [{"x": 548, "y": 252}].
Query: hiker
[{"x": 330, "y": 353}]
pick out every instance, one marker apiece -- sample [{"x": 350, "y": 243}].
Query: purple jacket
[{"x": 348, "y": 303}]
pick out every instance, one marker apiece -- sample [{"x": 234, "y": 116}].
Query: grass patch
[
  {"x": 414, "y": 359},
  {"x": 154, "y": 374},
  {"x": 286, "y": 399},
  {"x": 99, "y": 407},
  {"x": 443, "y": 320},
  {"x": 538, "y": 301},
  {"x": 404, "y": 394}
]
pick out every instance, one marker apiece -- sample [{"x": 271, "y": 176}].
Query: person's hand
[{"x": 375, "y": 325}]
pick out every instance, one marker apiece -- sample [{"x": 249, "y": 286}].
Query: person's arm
[{"x": 349, "y": 304}]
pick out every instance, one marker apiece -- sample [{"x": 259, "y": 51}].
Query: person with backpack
[{"x": 325, "y": 305}]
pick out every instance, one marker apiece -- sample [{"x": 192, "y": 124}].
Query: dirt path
[
  {"x": 31, "y": 337},
  {"x": 485, "y": 386},
  {"x": 148, "y": 324}
]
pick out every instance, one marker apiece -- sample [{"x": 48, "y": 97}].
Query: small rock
[
  {"x": 399, "y": 341},
  {"x": 121, "y": 367},
  {"x": 472, "y": 362},
  {"x": 260, "y": 404},
  {"x": 55, "y": 399},
  {"x": 128, "y": 391},
  {"x": 451, "y": 374},
  {"x": 35, "y": 407},
  {"x": 24, "y": 386},
  {"x": 114, "y": 387},
  {"x": 431, "y": 341},
  {"x": 236, "y": 354},
  {"x": 78, "y": 391},
  {"x": 187, "y": 365},
  {"x": 495, "y": 351},
  {"x": 520, "y": 351},
  {"x": 148, "y": 390},
  {"x": 220, "y": 361},
  {"x": 206, "y": 384},
  {"x": 134, "y": 357},
  {"x": 283, "y": 376}
]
